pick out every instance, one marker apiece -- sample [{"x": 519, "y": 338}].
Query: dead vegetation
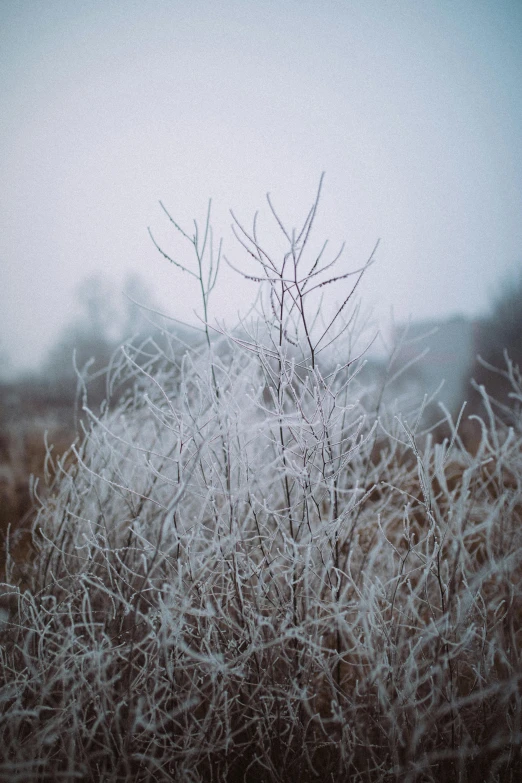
[{"x": 259, "y": 570}]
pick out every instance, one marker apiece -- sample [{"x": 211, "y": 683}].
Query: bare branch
[{"x": 176, "y": 263}]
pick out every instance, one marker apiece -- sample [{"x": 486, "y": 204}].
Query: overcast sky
[{"x": 413, "y": 109}]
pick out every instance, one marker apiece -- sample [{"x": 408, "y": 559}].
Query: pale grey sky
[{"x": 413, "y": 109}]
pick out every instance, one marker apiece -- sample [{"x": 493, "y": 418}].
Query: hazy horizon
[{"x": 413, "y": 110}]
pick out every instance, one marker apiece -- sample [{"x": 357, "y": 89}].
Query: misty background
[{"x": 413, "y": 110}]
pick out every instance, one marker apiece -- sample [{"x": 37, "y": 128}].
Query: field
[{"x": 258, "y": 566}]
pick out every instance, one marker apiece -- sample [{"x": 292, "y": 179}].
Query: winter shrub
[{"x": 257, "y": 570}]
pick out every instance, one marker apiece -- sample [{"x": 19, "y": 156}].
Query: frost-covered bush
[{"x": 257, "y": 570}]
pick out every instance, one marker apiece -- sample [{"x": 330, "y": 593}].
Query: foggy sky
[{"x": 413, "y": 110}]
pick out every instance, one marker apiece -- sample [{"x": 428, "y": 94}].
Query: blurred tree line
[
  {"x": 498, "y": 342},
  {"x": 87, "y": 344},
  {"x": 46, "y": 399}
]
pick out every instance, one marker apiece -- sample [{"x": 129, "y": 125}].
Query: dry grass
[{"x": 256, "y": 571}]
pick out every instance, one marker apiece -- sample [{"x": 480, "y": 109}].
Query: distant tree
[
  {"x": 105, "y": 319},
  {"x": 138, "y": 300},
  {"x": 5, "y": 362},
  {"x": 90, "y": 339},
  {"x": 498, "y": 333}
]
